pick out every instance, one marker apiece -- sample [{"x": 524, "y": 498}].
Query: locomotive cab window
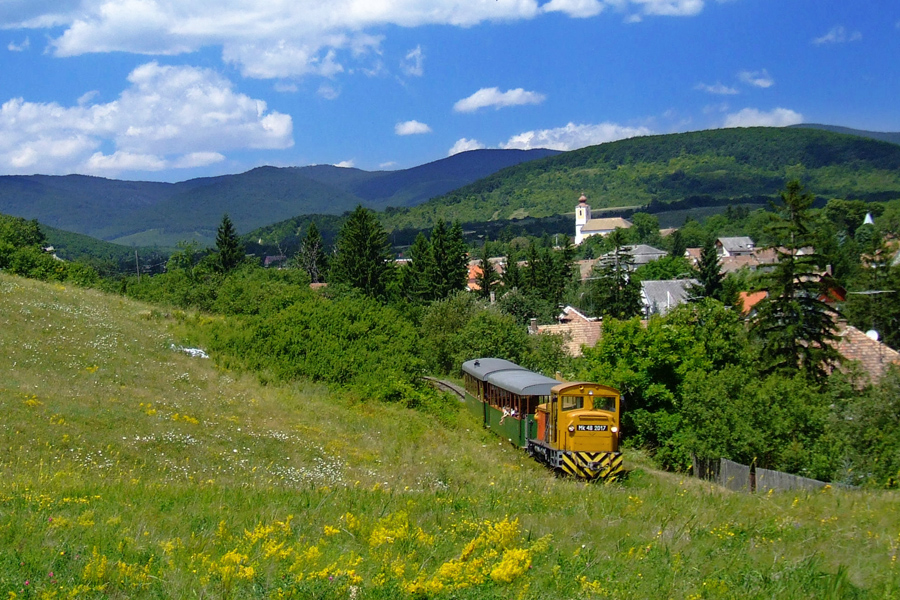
[
  {"x": 571, "y": 402},
  {"x": 605, "y": 403}
]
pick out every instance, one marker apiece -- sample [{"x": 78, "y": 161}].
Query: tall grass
[{"x": 131, "y": 469}]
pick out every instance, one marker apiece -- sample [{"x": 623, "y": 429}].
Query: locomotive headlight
[
  {"x": 571, "y": 429},
  {"x": 614, "y": 429}
]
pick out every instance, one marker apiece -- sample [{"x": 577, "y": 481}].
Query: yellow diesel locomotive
[{"x": 569, "y": 426}]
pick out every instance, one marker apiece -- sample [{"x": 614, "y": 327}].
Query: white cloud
[
  {"x": 715, "y": 108},
  {"x": 123, "y": 161},
  {"x": 575, "y": 8},
  {"x": 14, "y": 47},
  {"x": 167, "y": 117},
  {"x": 574, "y": 136},
  {"x": 752, "y": 117},
  {"x": 716, "y": 88},
  {"x": 760, "y": 79},
  {"x": 345, "y": 164},
  {"x": 486, "y": 97},
  {"x": 411, "y": 128},
  {"x": 264, "y": 38},
  {"x": 670, "y": 8},
  {"x": 413, "y": 65},
  {"x": 328, "y": 91},
  {"x": 464, "y": 145},
  {"x": 198, "y": 159},
  {"x": 838, "y": 35},
  {"x": 281, "y": 38},
  {"x": 87, "y": 97}
]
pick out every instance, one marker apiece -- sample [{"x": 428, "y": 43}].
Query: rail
[{"x": 446, "y": 386}]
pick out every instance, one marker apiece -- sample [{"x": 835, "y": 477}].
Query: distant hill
[
  {"x": 685, "y": 170},
  {"x": 151, "y": 213},
  {"x": 893, "y": 138}
]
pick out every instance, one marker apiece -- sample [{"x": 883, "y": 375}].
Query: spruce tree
[
  {"x": 795, "y": 327},
  {"x": 458, "y": 256},
  {"x": 312, "y": 257},
  {"x": 615, "y": 292},
  {"x": 228, "y": 245},
  {"x": 416, "y": 286},
  {"x": 449, "y": 267},
  {"x": 512, "y": 274},
  {"x": 709, "y": 272},
  {"x": 363, "y": 258},
  {"x": 678, "y": 245},
  {"x": 488, "y": 276}
]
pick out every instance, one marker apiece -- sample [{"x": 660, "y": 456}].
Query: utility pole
[{"x": 137, "y": 265}]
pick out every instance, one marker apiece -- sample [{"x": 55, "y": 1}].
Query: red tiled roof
[
  {"x": 750, "y": 299},
  {"x": 873, "y": 357},
  {"x": 577, "y": 328}
]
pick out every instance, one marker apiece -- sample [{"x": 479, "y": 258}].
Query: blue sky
[{"x": 174, "y": 89}]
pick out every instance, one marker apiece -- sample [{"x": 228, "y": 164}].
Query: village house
[
  {"x": 578, "y": 329},
  {"x": 659, "y": 297},
  {"x": 735, "y": 246}
]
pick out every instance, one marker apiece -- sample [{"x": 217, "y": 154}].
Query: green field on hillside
[{"x": 131, "y": 469}]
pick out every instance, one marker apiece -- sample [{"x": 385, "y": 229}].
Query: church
[{"x": 585, "y": 226}]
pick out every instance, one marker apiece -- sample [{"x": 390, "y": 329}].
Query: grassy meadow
[{"x": 131, "y": 469}]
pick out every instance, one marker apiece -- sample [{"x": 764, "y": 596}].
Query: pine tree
[
  {"x": 709, "y": 273},
  {"x": 363, "y": 258},
  {"x": 312, "y": 257},
  {"x": 796, "y": 329},
  {"x": 416, "y": 286},
  {"x": 448, "y": 270},
  {"x": 229, "y": 246},
  {"x": 512, "y": 274},
  {"x": 488, "y": 277},
  {"x": 678, "y": 246},
  {"x": 614, "y": 291},
  {"x": 534, "y": 274},
  {"x": 458, "y": 255}
]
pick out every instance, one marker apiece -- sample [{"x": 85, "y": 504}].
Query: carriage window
[
  {"x": 571, "y": 402},
  {"x": 605, "y": 403}
]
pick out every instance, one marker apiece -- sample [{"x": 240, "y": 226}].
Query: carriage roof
[
  {"x": 481, "y": 368},
  {"x": 523, "y": 383}
]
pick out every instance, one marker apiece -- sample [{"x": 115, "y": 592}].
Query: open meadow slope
[{"x": 130, "y": 468}]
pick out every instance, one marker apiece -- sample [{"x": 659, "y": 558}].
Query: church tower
[{"x": 582, "y": 216}]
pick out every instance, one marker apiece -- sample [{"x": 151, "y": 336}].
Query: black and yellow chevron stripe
[{"x": 592, "y": 465}]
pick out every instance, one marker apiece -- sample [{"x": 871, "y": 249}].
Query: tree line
[{"x": 702, "y": 379}]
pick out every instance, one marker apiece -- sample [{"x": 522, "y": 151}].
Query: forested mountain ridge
[
  {"x": 724, "y": 165},
  {"x": 153, "y": 213},
  {"x": 884, "y": 136}
]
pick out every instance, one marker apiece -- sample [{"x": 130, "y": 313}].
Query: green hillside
[
  {"x": 105, "y": 256},
  {"x": 131, "y": 469},
  {"x": 717, "y": 166},
  {"x": 139, "y": 213}
]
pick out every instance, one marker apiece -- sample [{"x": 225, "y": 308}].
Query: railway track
[{"x": 446, "y": 386}]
